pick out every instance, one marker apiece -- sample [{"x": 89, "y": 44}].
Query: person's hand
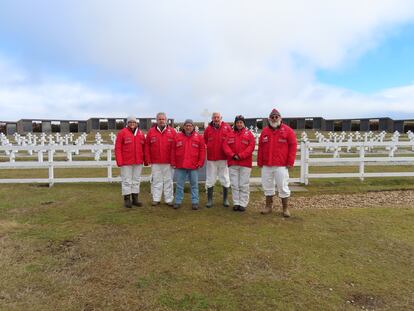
[
  {"x": 236, "y": 157},
  {"x": 289, "y": 167}
]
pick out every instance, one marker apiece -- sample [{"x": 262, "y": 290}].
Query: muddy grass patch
[{"x": 365, "y": 301}]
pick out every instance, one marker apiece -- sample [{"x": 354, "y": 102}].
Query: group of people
[{"x": 229, "y": 153}]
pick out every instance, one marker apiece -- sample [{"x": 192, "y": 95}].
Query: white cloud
[
  {"x": 53, "y": 97},
  {"x": 239, "y": 56},
  {"x": 332, "y": 102}
]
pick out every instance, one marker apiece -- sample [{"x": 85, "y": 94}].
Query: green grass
[
  {"x": 73, "y": 247},
  {"x": 354, "y": 185}
]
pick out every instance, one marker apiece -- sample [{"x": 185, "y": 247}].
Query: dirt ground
[{"x": 349, "y": 200}]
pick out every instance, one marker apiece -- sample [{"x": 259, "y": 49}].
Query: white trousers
[
  {"x": 275, "y": 176},
  {"x": 131, "y": 178},
  {"x": 162, "y": 179},
  {"x": 240, "y": 184},
  {"x": 218, "y": 169}
]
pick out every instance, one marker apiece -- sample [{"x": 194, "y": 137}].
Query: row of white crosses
[
  {"x": 42, "y": 140},
  {"x": 333, "y": 140},
  {"x": 51, "y": 139}
]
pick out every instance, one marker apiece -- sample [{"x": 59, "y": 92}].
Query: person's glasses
[{"x": 274, "y": 117}]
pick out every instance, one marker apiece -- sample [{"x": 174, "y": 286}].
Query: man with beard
[
  {"x": 158, "y": 145},
  {"x": 276, "y": 154}
]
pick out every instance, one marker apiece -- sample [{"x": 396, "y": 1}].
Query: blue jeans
[{"x": 181, "y": 178}]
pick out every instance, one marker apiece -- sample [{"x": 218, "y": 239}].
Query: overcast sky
[{"x": 100, "y": 58}]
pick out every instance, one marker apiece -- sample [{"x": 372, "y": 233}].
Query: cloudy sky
[{"x": 73, "y": 59}]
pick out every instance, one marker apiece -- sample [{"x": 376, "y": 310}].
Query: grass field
[{"x": 73, "y": 247}]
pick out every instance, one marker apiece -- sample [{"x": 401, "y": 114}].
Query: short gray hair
[{"x": 161, "y": 114}]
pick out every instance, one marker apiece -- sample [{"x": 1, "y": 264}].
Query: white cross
[{"x": 206, "y": 115}]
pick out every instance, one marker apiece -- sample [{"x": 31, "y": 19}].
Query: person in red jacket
[
  {"x": 214, "y": 136},
  {"x": 158, "y": 145},
  {"x": 129, "y": 155},
  {"x": 276, "y": 154},
  {"x": 187, "y": 156},
  {"x": 238, "y": 147}
]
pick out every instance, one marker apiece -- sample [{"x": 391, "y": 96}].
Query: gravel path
[{"x": 362, "y": 200}]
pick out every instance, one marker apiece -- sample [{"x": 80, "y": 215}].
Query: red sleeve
[
  {"x": 202, "y": 152},
  {"x": 147, "y": 148},
  {"x": 226, "y": 148},
  {"x": 292, "y": 146},
  {"x": 260, "y": 152},
  {"x": 118, "y": 148},
  {"x": 250, "y": 148}
]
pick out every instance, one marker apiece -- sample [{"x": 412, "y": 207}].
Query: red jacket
[
  {"x": 214, "y": 139},
  {"x": 188, "y": 152},
  {"x": 277, "y": 147},
  {"x": 129, "y": 149},
  {"x": 241, "y": 143},
  {"x": 158, "y": 145}
]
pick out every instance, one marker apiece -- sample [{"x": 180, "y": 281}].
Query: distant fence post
[
  {"x": 302, "y": 161},
  {"x": 51, "y": 168},
  {"x": 109, "y": 168},
  {"x": 361, "y": 161},
  {"x": 40, "y": 156},
  {"x": 306, "y": 168}
]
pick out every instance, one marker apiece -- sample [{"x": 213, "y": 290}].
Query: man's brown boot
[
  {"x": 269, "y": 204},
  {"x": 285, "y": 207}
]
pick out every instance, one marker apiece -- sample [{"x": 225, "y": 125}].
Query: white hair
[{"x": 161, "y": 114}]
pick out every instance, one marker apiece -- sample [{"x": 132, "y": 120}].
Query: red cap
[{"x": 274, "y": 112}]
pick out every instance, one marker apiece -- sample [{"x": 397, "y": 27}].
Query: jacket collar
[
  {"x": 159, "y": 130},
  {"x": 212, "y": 125}
]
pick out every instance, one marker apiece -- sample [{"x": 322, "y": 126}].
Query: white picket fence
[
  {"x": 106, "y": 150},
  {"x": 361, "y": 160}
]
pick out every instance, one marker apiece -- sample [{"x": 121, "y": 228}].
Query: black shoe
[
  {"x": 241, "y": 209},
  {"x": 135, "y": 201},
  {"x": 176, "y": 206},
  {"x": 225, "y": 195},
  {"x": 194, "y": 206},
  {"x": 155, "y": 203},
  {"x": 127, "y": 201},
  {"x": 209, "y": 197},
  {"x": 170, "y": 204},
  {"x": 236, "y": 208}
]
